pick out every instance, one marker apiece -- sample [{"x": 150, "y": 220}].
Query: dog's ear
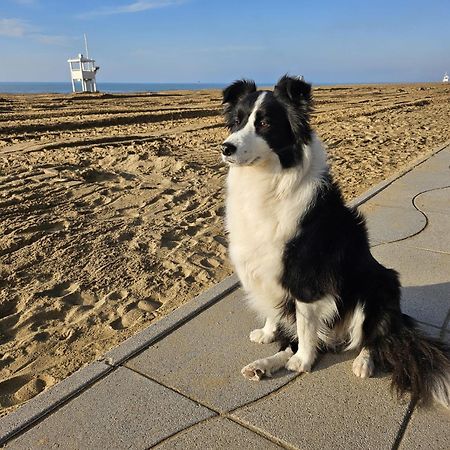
[
  {"x": 296, "y": 94},
  {"x": 294, "y": 90},
  {"x": 236, "y": 90}
]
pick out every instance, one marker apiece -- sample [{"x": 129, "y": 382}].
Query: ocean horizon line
[{"x": 65, "y": 87}]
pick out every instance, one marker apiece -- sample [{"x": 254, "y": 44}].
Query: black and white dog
[{"x": 303, "y": 256}]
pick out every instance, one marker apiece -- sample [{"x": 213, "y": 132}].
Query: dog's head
[{"x": 267, "y": 126}]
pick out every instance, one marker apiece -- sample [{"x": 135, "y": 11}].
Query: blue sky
[{"x": 221, "y": 40}]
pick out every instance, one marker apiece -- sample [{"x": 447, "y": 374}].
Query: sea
[{"x": 114, "y": 88}]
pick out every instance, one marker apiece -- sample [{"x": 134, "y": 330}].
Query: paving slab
[
  {"x": 436, "y": 163},
  {"x": 217, "y": 433},
  {"x": 330, "y": 408},
  {"x": 425, "y": 278},
  {"x": 398, "y": 211},
  {"x": 428, "y": 429},
  {"x": 436, "y": 206},
  {"x": 439, "y": 333},
  {"x": 436, "y": 200},
  {"x": 436, "y": 236},
  {"x": 410, "y": 185},
  {"x": 389, "y": 223},
  {"x": 123, "y": 410},
  {"x": 203, "y": 359}
]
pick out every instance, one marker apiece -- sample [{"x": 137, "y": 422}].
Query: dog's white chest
[{"x": 262, "y": 215}]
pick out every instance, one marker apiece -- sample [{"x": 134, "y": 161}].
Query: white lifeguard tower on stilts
[{"x": 83, "y": 71}]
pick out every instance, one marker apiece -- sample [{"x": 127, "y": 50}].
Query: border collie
[{"x": 303, "y": 256}]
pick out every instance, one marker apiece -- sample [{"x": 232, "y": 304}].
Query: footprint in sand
[
  {"x": 125, "y": 236},
  {"x": 74, "y": 303},
  {"x": 8, "y": 308},
  {"x": 115, "y": 295},
  {"x": 70, "y": 293},
  {"x": 9, "y": 316},
  {"x": 170, "y": 239},
  {"x": 21, "y": 388},
  {"x": 92, "y": 175},
  {"x": 46, "y": 227},
  {"x": 132, "y": 311}
]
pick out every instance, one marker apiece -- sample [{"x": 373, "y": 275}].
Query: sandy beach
[{"x": 111, "y": 208}]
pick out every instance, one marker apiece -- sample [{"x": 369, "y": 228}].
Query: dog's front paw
[
  {"x": 297, "y": 364},
  {"x": 260, "y": 336},
  {"x": 255, "y": 371},
  {"x": 363, "y": 366}
]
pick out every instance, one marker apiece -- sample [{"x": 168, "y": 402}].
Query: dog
[{"x": 303, "y": 256}]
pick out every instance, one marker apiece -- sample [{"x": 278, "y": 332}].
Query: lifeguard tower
[
  {"x": 83, "y": 70},
  {"x": 445, "y": 79}
]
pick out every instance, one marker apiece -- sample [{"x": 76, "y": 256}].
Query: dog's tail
[{"x": 419, "y": 364}]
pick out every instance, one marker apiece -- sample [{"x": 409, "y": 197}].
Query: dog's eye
[
  {"x": 263, "y": 124},
  {"x": 237, "y": 121}
]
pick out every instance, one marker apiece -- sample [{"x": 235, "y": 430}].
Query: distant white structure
[
  {"x": 445, "y": 79},
  {"x": 83, "y": 70}
]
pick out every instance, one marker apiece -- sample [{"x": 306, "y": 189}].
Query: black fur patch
[
  {"x": 231, "y": 96},
  {"x": 295, "y": 95}
]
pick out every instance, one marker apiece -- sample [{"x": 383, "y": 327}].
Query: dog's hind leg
[
  {"x": 363, "y": 366},
  {"x": 266, "y": 366}
]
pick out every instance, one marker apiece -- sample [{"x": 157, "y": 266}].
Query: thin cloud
[
  {"x": 130, "y": 8},
  {"x": 25, "y": 2},
  {"x": 18, "y": 28},
  {"x": 50, "y": 39},
  {"x": 14, "y": 27}
]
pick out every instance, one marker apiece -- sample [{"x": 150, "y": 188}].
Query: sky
[{"x": 217, "y": 41}]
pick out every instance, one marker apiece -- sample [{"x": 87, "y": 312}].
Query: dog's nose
[{"x": 228, "y": 149}]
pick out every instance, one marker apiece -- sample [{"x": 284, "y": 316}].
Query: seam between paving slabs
[
  {"x": 83, "y": 385},
  {"x": 404, "y": 425},
  {"x": 261, "y": 432},
  {"x": 248, "y": 427},
  {"x": 427, "y": 221},
  {"x": 425, "y": 249},
  {"x": 207, "y": 405},
  {"x": 223, "y": 414},
  {"x": 446, "y": 323}
]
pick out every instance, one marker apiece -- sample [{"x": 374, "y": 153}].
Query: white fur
[
  {"x": 355, "y": 329},
  {"x": 266, "y": 366},
  {"x": 312, "y": 321},
  {"x": 441, "y": 390},
  {"x": 266, "y": 334},
  {"x": 363, "y": 366}
]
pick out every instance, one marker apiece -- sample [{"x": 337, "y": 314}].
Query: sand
[{"x": 111, "y": 208}]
